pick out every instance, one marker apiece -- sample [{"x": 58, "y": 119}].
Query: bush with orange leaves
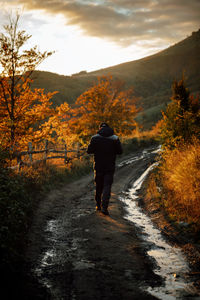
[{"x": 180, "y": 178}]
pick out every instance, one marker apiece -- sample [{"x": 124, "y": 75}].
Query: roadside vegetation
[
  {"x": 175, "y": 184},
  {"x": 180, "y": 175}
]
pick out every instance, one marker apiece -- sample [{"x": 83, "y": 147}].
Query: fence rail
[{"x": 20, "y": 163}]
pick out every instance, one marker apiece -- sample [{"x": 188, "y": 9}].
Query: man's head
[{"x": 103, "y": 125}]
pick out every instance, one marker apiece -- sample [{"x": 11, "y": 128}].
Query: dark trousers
[{"x": 103, "y": 182}]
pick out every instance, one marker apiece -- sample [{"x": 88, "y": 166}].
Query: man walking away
[{"x": 105, "y": 146}]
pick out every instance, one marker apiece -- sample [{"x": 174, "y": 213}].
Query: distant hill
[{"x": 151, "y": 78}]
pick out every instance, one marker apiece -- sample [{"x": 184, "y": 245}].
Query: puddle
[
  {"x": 144, "y": 154},
  {"x": 62, "y": 247},
  {"x": 171, "y": 264}
]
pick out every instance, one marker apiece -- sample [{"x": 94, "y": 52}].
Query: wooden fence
[{"x": 63, "y": 154}]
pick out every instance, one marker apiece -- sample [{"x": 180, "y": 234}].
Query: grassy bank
[{"x": 174, "y": 186}]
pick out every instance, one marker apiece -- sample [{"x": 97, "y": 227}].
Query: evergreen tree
[{"x": 181, "y": 119}]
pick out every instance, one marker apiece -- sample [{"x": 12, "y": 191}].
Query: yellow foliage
[
  {"x": 152, "y": 191},
  {"x": 180, "y": 173},
  {"x": 154, "y": 132}
]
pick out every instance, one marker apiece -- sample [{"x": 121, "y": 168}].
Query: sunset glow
[{"x": 90, "y": 35}]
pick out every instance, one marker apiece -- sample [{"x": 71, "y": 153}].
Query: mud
[{"x": 77, "y": 253}]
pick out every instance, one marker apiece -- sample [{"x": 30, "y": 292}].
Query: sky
[{"x": 89, "y": 35}]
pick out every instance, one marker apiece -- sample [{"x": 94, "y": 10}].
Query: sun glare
[{"x": 74, "y": 50}]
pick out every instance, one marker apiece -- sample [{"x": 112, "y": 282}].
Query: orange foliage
[
  {"x": 154, "y": 132},
  {"x": 104, "y": 102},
  {"x": 21, "y": 119},
  {"x": 21, "y": 110},
  {"x": 180, "y": 175},
  {"x": 57, "y": 128}
]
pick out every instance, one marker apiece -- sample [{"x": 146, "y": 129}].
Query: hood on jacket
[{"x": 106, "y": 131}]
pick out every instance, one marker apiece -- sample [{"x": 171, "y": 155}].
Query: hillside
[{"x": 151, "y": 77}]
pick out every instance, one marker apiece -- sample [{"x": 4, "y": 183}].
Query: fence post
[
  {"x": 46, "y": 151},
  {"x": 65, "y": 159},
  {"x": 30, "y": 148}
]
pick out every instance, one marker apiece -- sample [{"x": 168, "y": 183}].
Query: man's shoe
[{"x": 105, "y": 212}]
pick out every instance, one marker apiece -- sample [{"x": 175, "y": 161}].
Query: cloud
[{"x": 126, "y": 22}]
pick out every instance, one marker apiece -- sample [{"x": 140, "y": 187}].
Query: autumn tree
[
  {"x": 57, "y": 127},
  {"x": 181, "y": 121},
  {"x": 21, "y": 109},
  {"x": 106, "y": 101}
]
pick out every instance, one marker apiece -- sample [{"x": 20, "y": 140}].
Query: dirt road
[{"x": 77, "y": 253}]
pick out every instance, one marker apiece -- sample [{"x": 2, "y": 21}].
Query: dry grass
[
  {"x": 55, "y": 172},
  {"x": 180, "y": 176},
  {"x": 154, "y": 132},
  {"x": 153, "y": 191}
]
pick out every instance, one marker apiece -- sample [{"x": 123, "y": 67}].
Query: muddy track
[{"x": 77, "y": 253}]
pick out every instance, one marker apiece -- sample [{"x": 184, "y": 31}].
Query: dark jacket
[{"x": 104, "y": 145}]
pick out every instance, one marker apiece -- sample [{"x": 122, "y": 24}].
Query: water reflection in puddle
[
  {"x": 171, "y": 263},
  {"x": 62, "y": 247},
  {"x": 143, "y": 155}
]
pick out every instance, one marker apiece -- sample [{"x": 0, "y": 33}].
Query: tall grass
[{"x": 180, "y": 178}]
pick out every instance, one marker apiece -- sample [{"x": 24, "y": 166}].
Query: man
[{"x": 105, "y": 146}]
